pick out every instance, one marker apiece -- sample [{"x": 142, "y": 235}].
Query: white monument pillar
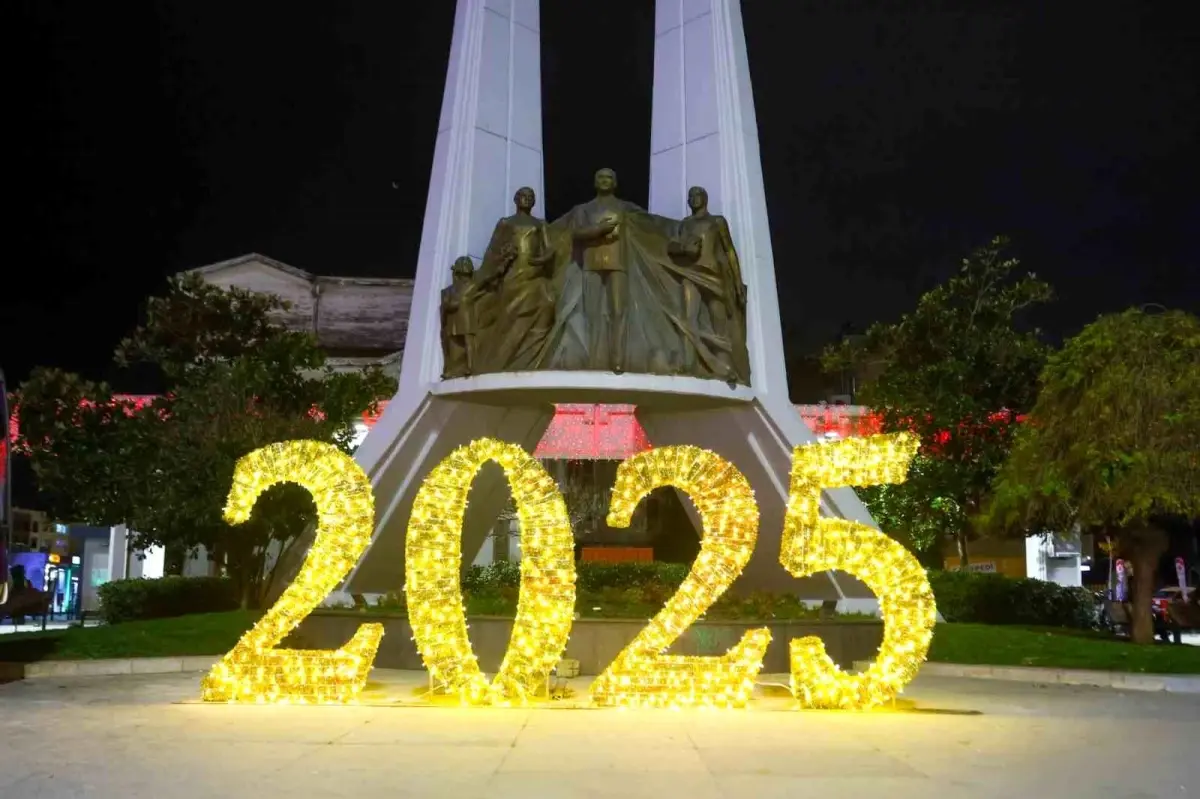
[
  {"x": 489, "y": 144},
  {"x": 704, "y": 133}
]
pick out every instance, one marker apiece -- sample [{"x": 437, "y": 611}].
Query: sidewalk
[{"x": 960, "y": 738}]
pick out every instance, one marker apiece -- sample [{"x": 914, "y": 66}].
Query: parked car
[
  {"x": 1164, "y": 597},
  {"x": 1164, "y": 628}
]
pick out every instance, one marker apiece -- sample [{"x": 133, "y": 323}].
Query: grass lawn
[
  {"x": 201, "y": 634},
  {"x": 216, "y": 633},
  {"x": 997, "y": 645}
]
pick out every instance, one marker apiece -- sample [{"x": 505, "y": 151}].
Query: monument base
[
  {"x": 660, "y": 392},
  {"x": 411, "y": 438},
  {"x": 595, "y": 643}
]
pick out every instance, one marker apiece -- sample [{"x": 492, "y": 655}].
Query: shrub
[
  {"x": 489, "y": 578},
  {"x": 996, "y": 599},
  {"x": 590, "y": 576},
  {"x": 598, "y": 576},
  {"x": 130, "y": 600}
]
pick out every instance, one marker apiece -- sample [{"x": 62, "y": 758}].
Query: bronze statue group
[{"x": 607, "y": 287}]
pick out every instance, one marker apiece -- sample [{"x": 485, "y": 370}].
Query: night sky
[{"x": 157, "y": 137}]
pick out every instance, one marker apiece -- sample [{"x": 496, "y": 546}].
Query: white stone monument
[{"x": 489, "y": 144}]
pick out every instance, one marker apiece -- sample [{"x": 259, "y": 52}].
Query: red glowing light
[
  {"x": 844, "y": 421},
  {"x": 593, "y": 432}
]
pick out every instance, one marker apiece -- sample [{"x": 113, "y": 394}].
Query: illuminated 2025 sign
[{"x": 256, "y": 671}]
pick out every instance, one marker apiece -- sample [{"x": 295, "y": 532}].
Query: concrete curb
[
  {"x": 1171, "y": 683},
  {"x": 109, "y": 668}
]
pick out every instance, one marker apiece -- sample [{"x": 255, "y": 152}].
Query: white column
[
  {"x": 489, "y": 144},
  {"x": 704, "y": 133}
]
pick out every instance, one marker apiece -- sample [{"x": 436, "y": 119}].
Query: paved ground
[{"x": 130, "y": 737}]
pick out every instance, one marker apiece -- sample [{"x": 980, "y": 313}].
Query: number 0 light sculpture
[{"x": 433, "y": 566}]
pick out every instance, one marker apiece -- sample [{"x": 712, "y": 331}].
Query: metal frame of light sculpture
[
  {"x": 433, "y": 566},
  {"x": 254, "y": 671},
  {"x": 643, "y": 676},
  {"x": 812, "y": 545}
]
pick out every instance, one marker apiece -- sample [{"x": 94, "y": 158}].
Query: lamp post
[{"x": 5, "y": 494}]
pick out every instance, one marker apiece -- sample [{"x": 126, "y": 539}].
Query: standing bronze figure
[
  {"x": 516, "y": 275},
  {"x": 713, "y": 278},
  {"x": 458, "y": 329},
  {"x": 596, "y": 231}
]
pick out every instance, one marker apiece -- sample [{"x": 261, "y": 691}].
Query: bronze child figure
[{"x": 458, "y": 332}]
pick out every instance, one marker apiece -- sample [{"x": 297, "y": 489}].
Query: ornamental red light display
[
  {"x": 841, "y": 421},
  {"x": 593, "y": 432},
  {"x": 582, "y": 432},
  {"x": 603, "y": 432}
]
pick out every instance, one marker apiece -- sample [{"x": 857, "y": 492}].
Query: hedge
[
  {"x": 589, "y": 576},
  {"x": 961, "y": 596},
  {"x": 995, "y": 599},
  {"x": 132, "y": 600}
]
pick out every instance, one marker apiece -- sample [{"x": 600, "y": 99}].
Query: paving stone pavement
[{"x": 135, "y": 736}]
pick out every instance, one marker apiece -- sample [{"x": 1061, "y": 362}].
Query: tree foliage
[
  {"x": 957, "y": 371},
  {"x": 1113, "y": 443},
  {"x": 238, "y": 380}
]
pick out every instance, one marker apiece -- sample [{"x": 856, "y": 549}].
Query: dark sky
[{"x": 153, "y": 137}]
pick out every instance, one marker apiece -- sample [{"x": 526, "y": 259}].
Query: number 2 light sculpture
[{"x": 254, "y": 671}]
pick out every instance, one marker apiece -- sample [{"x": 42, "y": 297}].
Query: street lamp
[{"x": 5, "y": 494}]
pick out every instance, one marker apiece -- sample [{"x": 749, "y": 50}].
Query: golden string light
[
  {"x": 433, "y": 565},
  {"x": 812, "y": 544},
  {"x": 643, "y": 676},
  {"x": 254, "y": 671}
]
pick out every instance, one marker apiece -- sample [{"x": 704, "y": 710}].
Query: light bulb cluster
[
  {"x": 433, "y": 566},
  {"x": 642, "y": 675},
  {"x": 812, "y": 544},
  {"x": 254, "y": 671}
]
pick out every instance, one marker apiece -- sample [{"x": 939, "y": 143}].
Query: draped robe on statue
[
  {"x": 513, "y": 299},
  {"x": 663, "y": 333}
]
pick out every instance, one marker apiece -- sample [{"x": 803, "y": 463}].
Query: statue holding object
[
  {"x": 513, "y": 287},
  {"x": 713, "y": 278},
  {"x": 596, "y": 234},
  {"x": 606, "y": 287}
]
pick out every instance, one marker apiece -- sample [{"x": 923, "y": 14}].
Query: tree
[
  {"x": 1113, "y": 443},
  {"x": 957, "y": 371},
  {"x": 238, "y": 379}
]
